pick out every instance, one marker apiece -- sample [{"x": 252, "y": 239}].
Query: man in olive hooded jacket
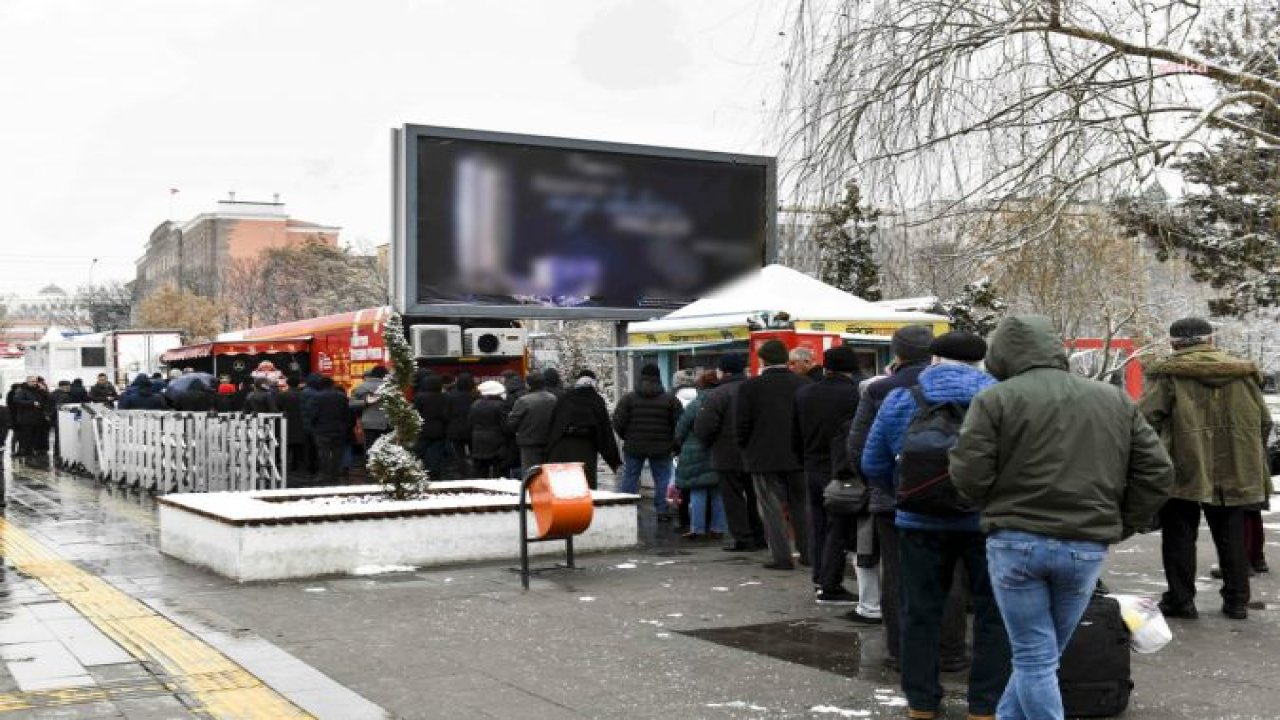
[
  {"x": 1208, "y": 408},
  {"x": 1061, "y": 466}
]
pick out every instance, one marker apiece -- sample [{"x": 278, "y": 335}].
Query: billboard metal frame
[{"x": 404, "y": 210}]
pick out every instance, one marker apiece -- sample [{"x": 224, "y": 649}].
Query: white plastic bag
[{"x": 1149, "y": 631}]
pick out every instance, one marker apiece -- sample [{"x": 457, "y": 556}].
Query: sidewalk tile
[{"x": 43, "y": 665}]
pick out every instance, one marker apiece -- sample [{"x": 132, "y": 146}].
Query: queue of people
[{"x": 986, "y": 480}]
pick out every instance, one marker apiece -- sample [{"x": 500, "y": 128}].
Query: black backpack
[{"x": 924, "y": 475}]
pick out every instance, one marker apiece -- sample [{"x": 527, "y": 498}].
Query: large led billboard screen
[{"x": 549, "y": 227}]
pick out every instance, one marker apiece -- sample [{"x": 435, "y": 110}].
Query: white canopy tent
[{"x": 810, "y": 303}]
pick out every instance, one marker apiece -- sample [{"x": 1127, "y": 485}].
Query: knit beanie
[{"x": 911, "y": 343}]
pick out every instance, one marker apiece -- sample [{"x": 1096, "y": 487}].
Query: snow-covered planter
[{"x": 277, "y": 534}]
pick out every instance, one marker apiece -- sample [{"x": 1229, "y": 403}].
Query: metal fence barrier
[{"x": 167, "y": 451}]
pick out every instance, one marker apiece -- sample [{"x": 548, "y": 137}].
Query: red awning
[{"x": 238, "y": 347}]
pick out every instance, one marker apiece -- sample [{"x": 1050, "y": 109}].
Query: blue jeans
[
  {"x": 660, "y": 466},
  {"x": 1043, "y": 586},
  {"x": 698, "y": 498}
]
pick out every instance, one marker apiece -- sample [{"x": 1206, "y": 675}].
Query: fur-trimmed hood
[{"x": 1206, "y": 365}]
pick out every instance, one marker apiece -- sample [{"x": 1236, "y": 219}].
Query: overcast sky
[{"x": 107, "y": 104}]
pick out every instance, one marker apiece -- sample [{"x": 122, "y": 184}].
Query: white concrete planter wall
[{"x": 246, "y": 536}]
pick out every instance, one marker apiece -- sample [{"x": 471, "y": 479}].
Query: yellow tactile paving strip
[{"x": 221, "y": 687}]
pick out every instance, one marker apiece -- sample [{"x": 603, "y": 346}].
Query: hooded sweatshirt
[
  {"x": 1056, "y": 454},
  {"x": 1208, "y": 408}
]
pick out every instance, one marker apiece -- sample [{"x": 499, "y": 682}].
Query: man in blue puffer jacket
[{"x": 932, "y": 545}]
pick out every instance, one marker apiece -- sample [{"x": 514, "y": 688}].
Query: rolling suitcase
[{"x": 1094, "y": 674}]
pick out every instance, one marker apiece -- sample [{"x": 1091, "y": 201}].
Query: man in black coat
[
  {"x": 27, "y": 408},
  {"x": 329, "y": 416},
  {"x": 103, "y": 391},
  {"x": 910, "y": 348},
  {"x": 714, "y": 428},
  {"x": 4, "y": 442},
  {"x": 457, "y": 403},
  {"x": 291, "y": 405},
  {"x": 824, "y": 411},
  {"x": 433, "y": 439},
  {"x": 763, "y": 422},
  {"x": 646, "y": 421}
]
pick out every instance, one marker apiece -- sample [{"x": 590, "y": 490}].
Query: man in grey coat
[
  {"x": 365, "y": 402},
  {"x": 530, "y": 421}
]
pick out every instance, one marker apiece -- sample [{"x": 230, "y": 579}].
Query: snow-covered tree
[
  {"x": 843, "y": 235},
  {"x": 977, "y": 309},
  {"x": 965, "y": 107},
  {"x": 1227, "y": 224},
  {"x": 392, "y": 461}
]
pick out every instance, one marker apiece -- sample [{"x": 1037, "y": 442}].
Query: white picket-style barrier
[{"x": 166, "y": 451}]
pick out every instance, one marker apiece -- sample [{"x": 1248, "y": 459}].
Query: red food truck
[{"x": 345, "y": 345}]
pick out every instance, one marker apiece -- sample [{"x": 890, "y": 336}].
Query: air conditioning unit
[
  {"x": 501, "y": 342},
  {"x": 436, "y": 340}
]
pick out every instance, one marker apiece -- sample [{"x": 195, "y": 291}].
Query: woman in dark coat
[
  {"x": 433, "y": 441},
  {"x": 457, "y": 423},
  {"x": 694, "y": 475},
  {"x": 487, "y": 418},
  {"x": 581, "y": 430}
]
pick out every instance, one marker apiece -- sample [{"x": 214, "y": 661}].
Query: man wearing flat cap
[{"x": 1207, "y": 407}]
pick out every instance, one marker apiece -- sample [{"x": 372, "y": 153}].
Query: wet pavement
[{"x": 673, "y": 629}]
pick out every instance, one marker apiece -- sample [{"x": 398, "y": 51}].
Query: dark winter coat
[
  {"x": 1208, "y": 409},
  {"x": 457, "y": 408},
  {"x": 198, "y": 397},
  {"x": 78, "y": 392},
  {"x": 291, "y": 405},
  {"x": 906, "y": 376},
  {"x": 646, "y": 419},
  {"x": 141, "y": 395},
  {"x": 1050, "y": 452},
  {"x": 103, "y": 392},
  {"x": 261, "y": 401},
  {"x": 822, "y": 410},
  {"x": 26, "y": 407},
  {"x": 58, "y": 398},
  {"x": 581, "y": 413},
  {"x": 714, "y": 425},
  {"x": 431, "y": 404},
  {"x": 487, "y": 419},
  {"x": 310, "y": 391},
  {"x": 329, "y": 415},
  {"x": 693, "y": 470},
  {"x": 4, "y": 437},
  {"x": 530, "y": 418},
  {"x": 940, "y": 383},
  {"x": 762, "y": 421}
]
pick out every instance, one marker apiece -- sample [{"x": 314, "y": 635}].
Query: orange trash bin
[{"x": 561, "y": 500}]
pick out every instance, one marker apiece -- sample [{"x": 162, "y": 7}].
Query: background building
[{"x": 195, "y": 254}]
